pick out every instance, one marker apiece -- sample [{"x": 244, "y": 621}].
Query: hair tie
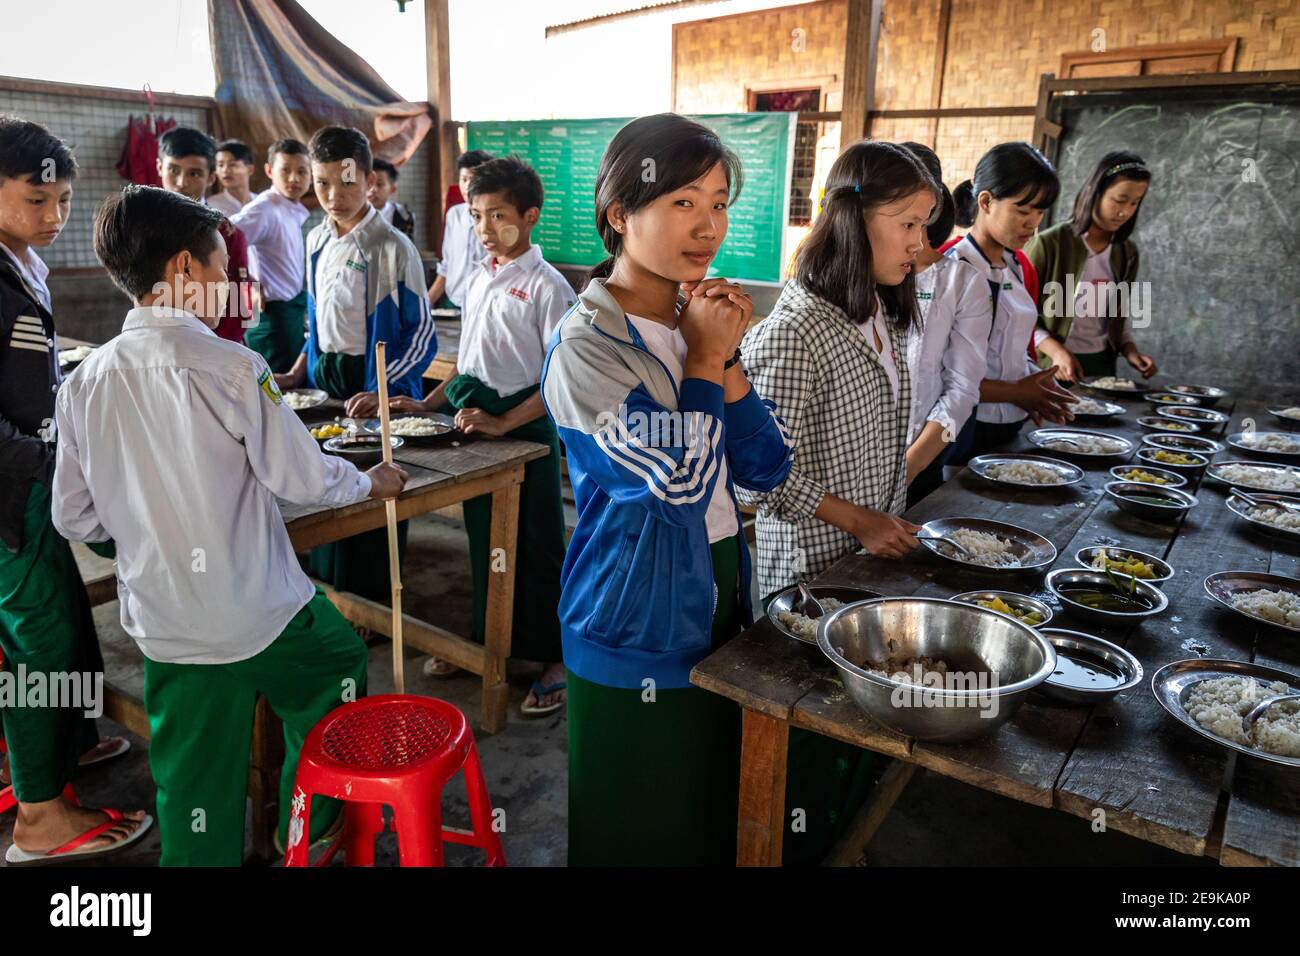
[
  {"x": 857, "y": 187},
  {"x": 1119, "y": 168}
]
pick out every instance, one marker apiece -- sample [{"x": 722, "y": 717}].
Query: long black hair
[
  {"x": 938, "y": 231},
  {"x": 834, "y": 260},
  {"x": 648, "y": 158},
  {"x": 1008, "y": 170},
  {"x": 1114, "y": 166}
]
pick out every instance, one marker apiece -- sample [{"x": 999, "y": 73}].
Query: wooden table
[
  {"x": 440, "y": 476},
  {"x": 1153, "y": 778}
]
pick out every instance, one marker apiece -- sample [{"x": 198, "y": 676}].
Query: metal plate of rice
[
  {"x": 1030, "y": 550},
  {"x": 1174, "y": 683},
  {"x": 784, "y": 619},
  {"x": 1286, "y": 523},
  {"x": 1116, "y": 445},
  {"x": 1280, "y": 446},
  {"x": 1223, "y": 586},
  {"x": 1010, "y": 470},
  {"x": 1255, "y": 476}
]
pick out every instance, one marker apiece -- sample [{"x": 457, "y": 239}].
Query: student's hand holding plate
[{"x": 363, "y": 405}]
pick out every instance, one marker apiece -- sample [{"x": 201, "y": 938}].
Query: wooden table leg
[
  {"x": 500, "y": 604},
  {"x": 848, "y": 848},
  {"x": 761, "y": 818},
  {"x": 266, "y": 757}
]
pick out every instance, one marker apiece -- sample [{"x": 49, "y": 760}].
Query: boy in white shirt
[
  {"x": 176, "y": 444},
  {"x": 382, "y": 193},
  {"x": 461, "y": 249},
  {"x": 272, "y": 224},
  {"x": 235, "y": 173},
  {"x": 514, "y": 301}
]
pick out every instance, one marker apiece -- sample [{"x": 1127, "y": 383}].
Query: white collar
[
  {"x": 333, "y": 229},
  {"x": 529, "y": 261},
  {"x": 160, "y": 317}
]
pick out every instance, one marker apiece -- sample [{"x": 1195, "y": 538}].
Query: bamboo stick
[{"x": 390, "y": 508}]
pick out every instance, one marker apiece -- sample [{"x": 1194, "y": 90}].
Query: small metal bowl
[
  {"x": 786, "y": 599},
  {"x": 1195, "y": 443},
  {"x": 1171, "y": 398},
  {"x": 1198, "y": 465},
  {"x": 1019, "y": 602},
  {"x": 1180, "y": 502},
  {"x": 1240, "y": 441},
  {"x": 1157, "y": 423},
  {"x": 1088, "y": 669},
  {"x": 1224, "y": 585},
  {"x": 978, "y": 645},
  {"x": 1163, "y": 570},
  {"x": 1034, "y": 551},
  {"x": 1068, "y": 473},
  {"x": 1207, "y": 395},
  {"x": 361, "y": 450},
  {"x": 1068, "y": 577},
  {"x": 1207, "y": 418},
  {"x": 1172, "y": 480}
]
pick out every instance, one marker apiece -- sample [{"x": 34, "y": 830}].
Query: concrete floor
[{"x": 525, "y": 766}]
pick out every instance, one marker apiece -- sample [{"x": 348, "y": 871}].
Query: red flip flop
[{"x": 15, "y": 856}]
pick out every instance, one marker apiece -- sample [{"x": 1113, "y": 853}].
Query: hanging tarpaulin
[{"x": 281, "y": 74}]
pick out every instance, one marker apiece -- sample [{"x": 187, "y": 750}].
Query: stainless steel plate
[
  {"x": 1242, "y": 509},
  {"x": 1064, "y": 577},
  {"x": 1034, "y": 551},
  {"x": 1137, "y": 391},
  {"x": 1175, "y": 442},
  {"x": 1215, "y": 471},
  {"x": 1222, "y": 585},
  {"x": 1173, "y": 682},
  {"x": 1172, "y": 480},
  {"x": 1069, "y": 474},
  {"x": 1236, "y": 440},
  {"x": 784, "y": 600},
  {"x": 1163, "y": 570},
  {"x": 1042, "y": 437},
  {"x": 1020, "y": 602},
  {"x": 1159, "y": 423},
  {"x": 311, "y": 398},
  {"x": 1109, "y": 410}
]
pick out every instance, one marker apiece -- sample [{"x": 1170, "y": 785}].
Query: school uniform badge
[{"x": 266, "y": 381}]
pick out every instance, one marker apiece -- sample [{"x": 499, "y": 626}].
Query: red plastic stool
[{"x": 399, "y": 750}]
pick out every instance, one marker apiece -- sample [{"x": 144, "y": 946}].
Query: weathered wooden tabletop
[{"x": 1153, "y": 778}]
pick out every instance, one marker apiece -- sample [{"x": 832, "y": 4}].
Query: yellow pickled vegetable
[
  {"x": 1137, "y": 474},
  {"x": 1174, "y": 458},
  {"x": 1130, "y": 566},
  {"x": 332, "y": 430},
  {"x": 1002, "y": 607}
]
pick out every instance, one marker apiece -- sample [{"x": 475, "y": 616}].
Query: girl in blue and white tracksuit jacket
[{"x": 657, "y": 574}]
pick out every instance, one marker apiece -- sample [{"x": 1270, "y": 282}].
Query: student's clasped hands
[{"x": 714, "y": 318}]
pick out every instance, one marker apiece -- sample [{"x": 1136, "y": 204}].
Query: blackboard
[
  {"x": 1218, "y": 232},
  {"x": 566, "y": 154}
]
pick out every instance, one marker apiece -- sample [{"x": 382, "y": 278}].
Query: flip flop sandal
[
  {"x": 68, "y": 853},
  {"x": 434, "y": 667},
  {"x": 539, "y": 692},
  {"x": 123, "y": 745}
]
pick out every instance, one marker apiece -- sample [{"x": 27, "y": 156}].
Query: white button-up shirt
[
  {"x": 946, "y": 355},
  {"x": 277, "y": 254},
  {"x": 1007, "y": 356},
  {"x": 341, "y": 306},
  {"x": 225, "y": 202},
  {"x": 175, "y": 444},
  {"x": 461, "y": 251},
  {"x": 509, "y": 315}
]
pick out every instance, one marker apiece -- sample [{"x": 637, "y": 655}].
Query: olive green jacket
[{"x": 1058, "y": 252}]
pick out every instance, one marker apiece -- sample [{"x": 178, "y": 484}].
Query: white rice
[
  {"x": 1110, "y": 381},
  {"x": 1025, "y": 472},
  {"x": 982, "y": 548},
  {"x": 1218, "y": 706},
  {"x": 1087, "y": 445},
  {"x": 806, "y": 626},
  {"x": 416, "y": 427},
  {"x": 910, "y": 670},
  {"x": 1274, "y": 479},
  {"x": 1276, "y": 607},
  {"x": 1272, "y": 441},
  {"x": 1089, "y": 406},
  {"x": 1277, "y": 517},
  {"x": 1292, "y": 412},
  {"x": 300, "y": 400}
]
